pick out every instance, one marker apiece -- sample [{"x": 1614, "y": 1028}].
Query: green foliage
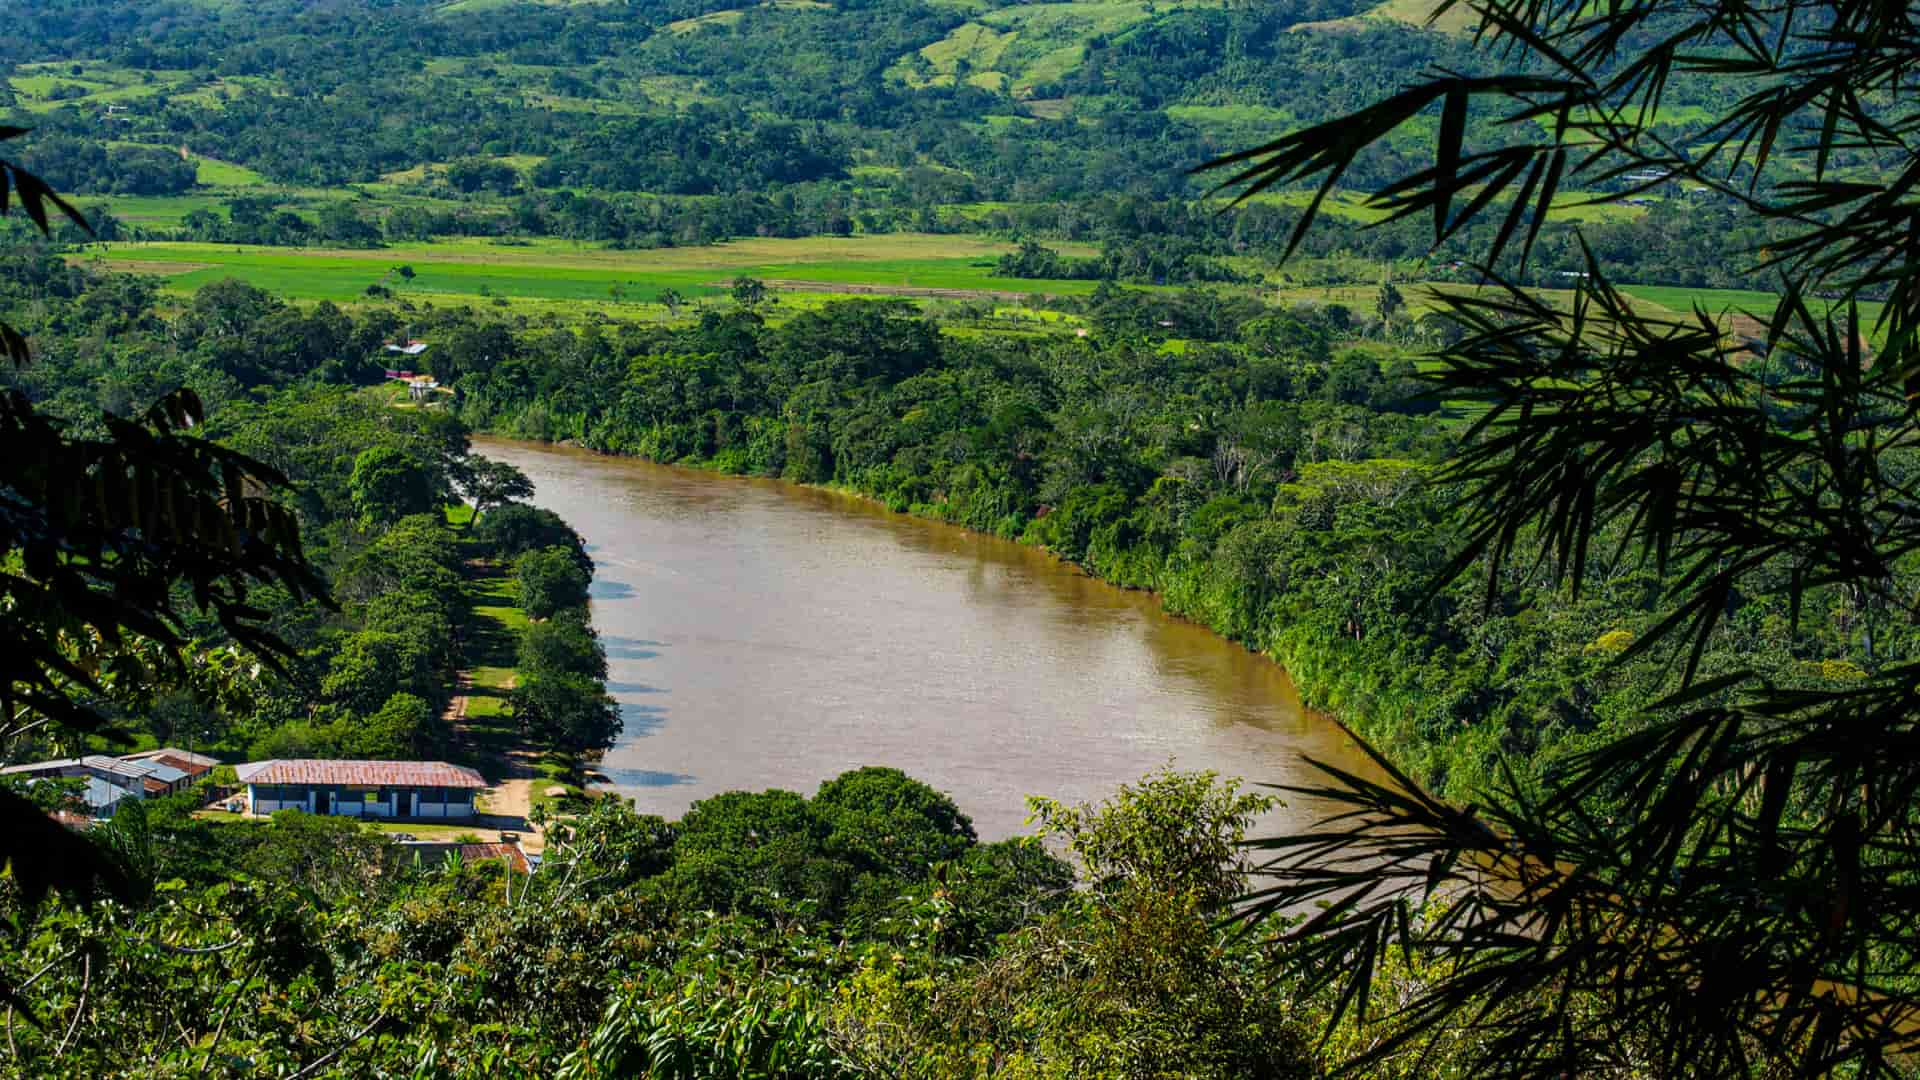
[
  {"x": 1129, "y": 979},
  {"x": 1584, "y": 912},
  {"x": 549, "y": 581},
  {"x": 491, "y": 483},
  {"x": 1173, "y": 833},
  {"x": 387, "y": 485},
  {"x": 515, "y": 529},
  {"x": 564, "y": 644},
  {"x": 886, "y": 822}
]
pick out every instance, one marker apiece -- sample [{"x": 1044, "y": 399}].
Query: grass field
[
  {"x": 563, "y": 271},
  {"x": 1458, "y": 20},
  {"x": 1719, "y": 302},
  {"x": 1015, "y": 48}
]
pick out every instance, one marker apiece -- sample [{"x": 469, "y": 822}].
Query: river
[{"x": 762, "y": 634}]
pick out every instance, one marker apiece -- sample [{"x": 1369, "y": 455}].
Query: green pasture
[
  {"x": 208, "y": 172},
  {"x": 562, "y": 271},
  {"x": 1722, "y": 302},
  {"x": 1020, "y": 46},
  {"x": 211, "y": 173},
  {"x": 155, "y": 210}
]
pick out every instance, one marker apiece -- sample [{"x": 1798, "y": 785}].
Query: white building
[{"x": 412, "y": 790}]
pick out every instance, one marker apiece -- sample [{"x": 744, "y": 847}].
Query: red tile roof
[{"x": 360, "y": 773}]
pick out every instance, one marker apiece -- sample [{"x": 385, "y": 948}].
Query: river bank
[{"x": 523, "y": 772}]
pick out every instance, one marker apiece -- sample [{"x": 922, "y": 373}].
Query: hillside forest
[{"x": 952, "y": 257}]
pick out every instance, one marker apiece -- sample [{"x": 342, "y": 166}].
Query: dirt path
[
  {"x": 456, "y": 713},
  {"x": 506, "y": 804}
]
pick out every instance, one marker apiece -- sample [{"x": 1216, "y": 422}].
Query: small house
[{"x": 413, "y": 790}]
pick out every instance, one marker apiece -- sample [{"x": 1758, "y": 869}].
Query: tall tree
[
  {"x": 1730, "y": 886},
  {"x": 489, "y": 484}
]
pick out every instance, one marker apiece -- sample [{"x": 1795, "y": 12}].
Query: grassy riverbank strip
[{"x": 527, "y": 772}]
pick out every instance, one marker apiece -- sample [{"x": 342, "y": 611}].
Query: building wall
[{"x": 346, "y": 801}]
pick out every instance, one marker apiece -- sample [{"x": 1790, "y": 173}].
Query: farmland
[{"x": 549, "y": 270}]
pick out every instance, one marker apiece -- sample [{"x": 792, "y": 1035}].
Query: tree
[
  {"x": 886, "y": 820},
  {"x": 564, "y": 644},
  {"x": 572, "y": 712},
  {"x": 1389, "y": 303},
  {"x": 1726, "y": 887},
  {"x": 404, "y": 727},
  {"x": 103, "y": 540},
  {"x": 749, "y": 292},
  {"x": 388, "y": 484},
  {"x": 550, "y": 581},
  {"x": 490, "y": 483},
  {"x": 371, "y": 667},
  {"x": 516, "y": 528},
  {"x": 1128, "y": 977}
]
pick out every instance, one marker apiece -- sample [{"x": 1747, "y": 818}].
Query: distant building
[
  {"x": 420, "y": 790},
  {"x": 111, "y": 780}
]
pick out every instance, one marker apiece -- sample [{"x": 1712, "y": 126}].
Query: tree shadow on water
[
  {"x": 645, "y": 778},
  {"x": 639, "y": 721},
  {"x": 610, "y": 590},
  {"x": 626, "y": 648}
]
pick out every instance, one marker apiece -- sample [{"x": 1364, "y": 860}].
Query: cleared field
[
  {"x": 161, "y": 210},
  {"x": 1733, "y": 302},
  {"x": 905, "y": 264},
  {"x": 208, "y": 172},
  {"x": 1016, "y": 48},
  {"x": 1458, "y": 19}
]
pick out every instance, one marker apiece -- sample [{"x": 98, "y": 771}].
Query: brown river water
[{"x": 762, "y": 634}]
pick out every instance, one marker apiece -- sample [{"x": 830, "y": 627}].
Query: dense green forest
[
  {"x": 1620, "y": 596},
  {"x": 660, "y": 124},
  {"x": 1265, "y": 480}
]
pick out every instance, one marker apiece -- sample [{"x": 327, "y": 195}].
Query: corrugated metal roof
[
  {"x": 176, "y": 757},
  {"x": 102, "y": 798},
  {"x": 133, "y": 770},
  {"x": 41, "y": 766},
  {"x": 362, "y": 773}
]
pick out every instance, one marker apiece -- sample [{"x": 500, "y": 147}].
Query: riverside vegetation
[
  {"x": 1265, "y": 479},
  {"x": 1712, "y": 830}
]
